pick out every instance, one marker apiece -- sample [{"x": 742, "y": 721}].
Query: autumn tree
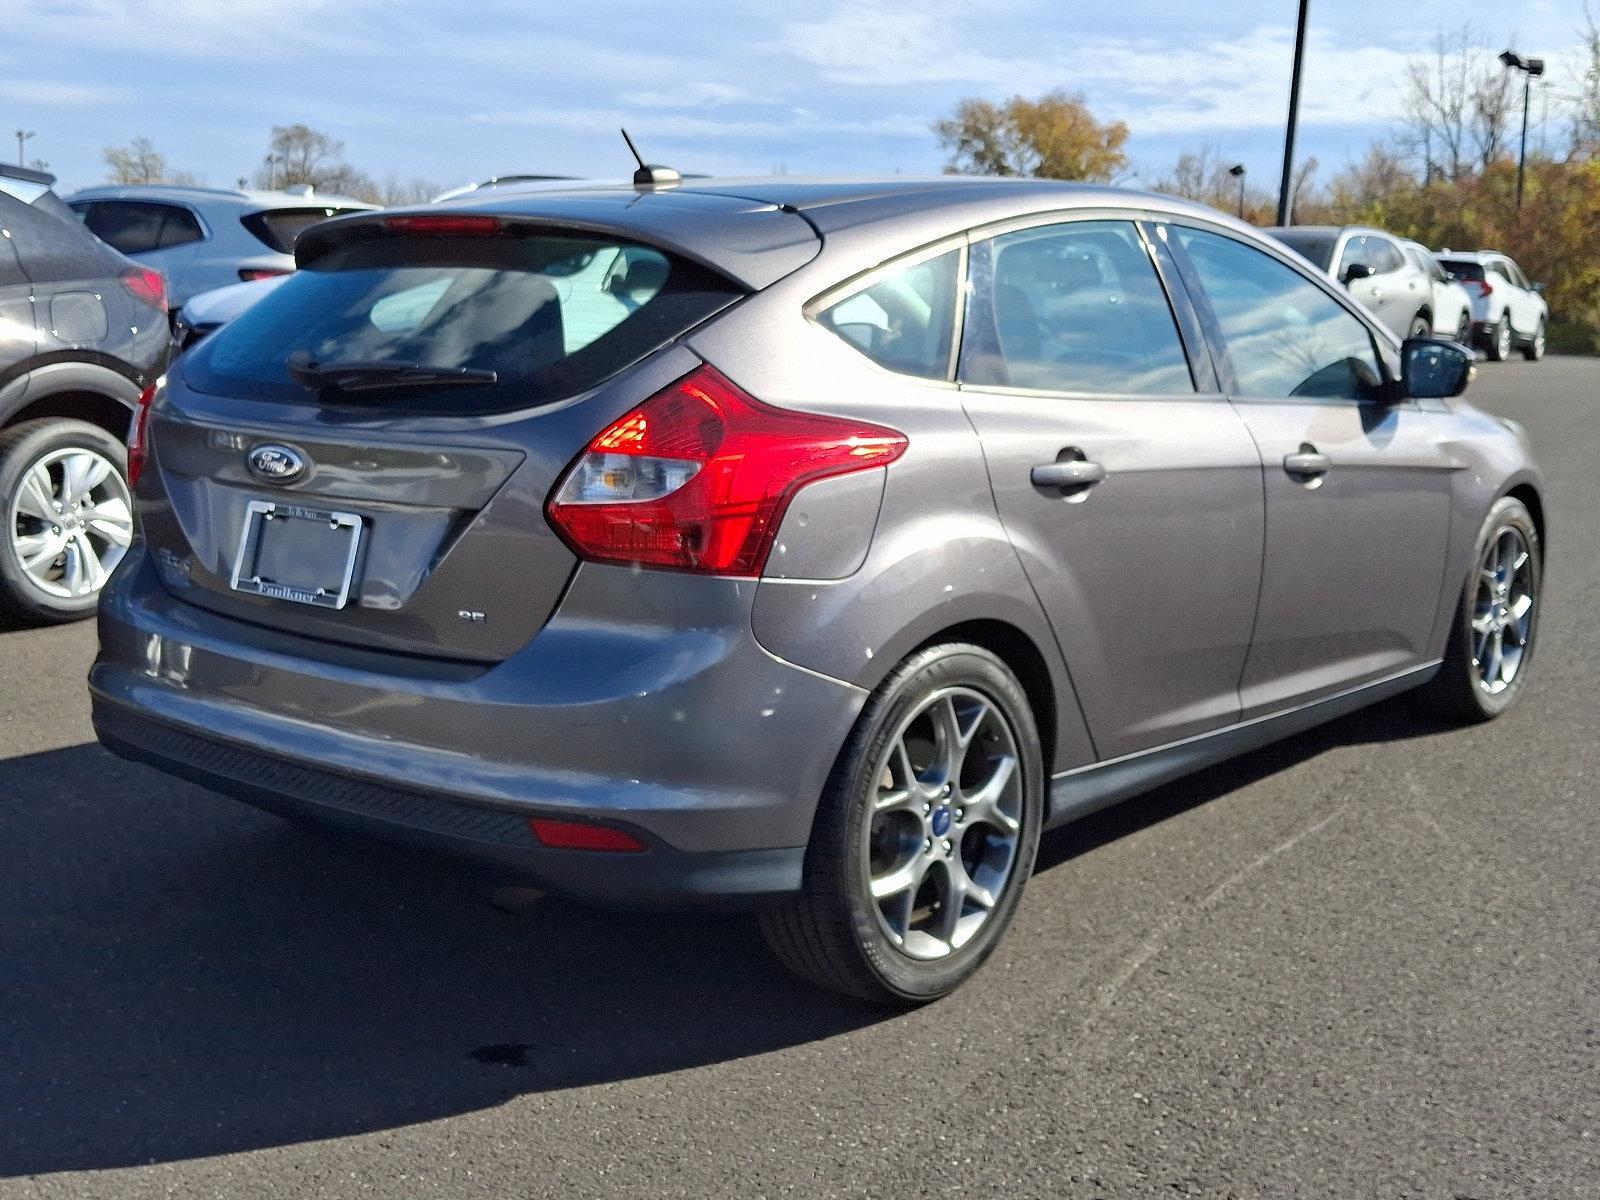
[
  {"x": 1206, "y": 176},
  {"x": 137, "y": 162},
  {"x": 1054, "y": 137}
]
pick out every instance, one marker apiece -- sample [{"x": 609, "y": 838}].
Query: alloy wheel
[
  {"x": 940, "y": 844},
  {"x": 1503, "y": 611},
  {"x": 71, "y": 521},
  {"x": 1503, "y": 338}
]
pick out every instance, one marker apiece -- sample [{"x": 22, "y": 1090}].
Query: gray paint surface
[{"x": 1196, "y": 587}]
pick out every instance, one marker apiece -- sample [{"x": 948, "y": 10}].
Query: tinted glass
[
  {"x": 903, "y": 321},
  {"x": 1458, "y": 269},
  {"x": 1385, "y": 256},
  {"x": 1072, "y": 308},
  {"x": 550, "y": 316},
  {"x": 133, "y": 228},
  {"x": 279, "y": 228},
  {"x": 1318, "y": 247},
  {"x": 179, "y": 228},
  {"x": 1356, "y": 253},
  {"x": 1284, "y": 335}
]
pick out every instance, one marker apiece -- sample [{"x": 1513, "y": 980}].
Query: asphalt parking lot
[{"x": 1362, "y": 963}]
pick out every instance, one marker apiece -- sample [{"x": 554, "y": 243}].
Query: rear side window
[
  {"x": 1470, "y": 272},
  {"x": 1075, "y": 307},
  {"x": 1285, "y": 337},
  {"x": 138, "y": 227},
  {"x": 905, "y": 320},
  {"x": 279, "y": 228},
  {"x": 549, "y": 315},
  {"x": 1317, "y": 247}
]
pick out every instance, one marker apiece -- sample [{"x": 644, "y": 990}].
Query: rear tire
[
  {"x": 1533, "y": 349},
  {"x": 1421, "y": 326},
  {"x": 65, "y": 518},
  {"x": 1464, "y": 330},
  {"x": 1487, "y": 628},
  {"x": 1500, "y": 340},
  {"x": 924, "y": 836}
]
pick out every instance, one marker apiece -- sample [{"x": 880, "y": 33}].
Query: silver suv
[
  {"x": 804, "y": 545},
  {"x": 204, "y": 238},
  {"x": 1373, "y": 266}
]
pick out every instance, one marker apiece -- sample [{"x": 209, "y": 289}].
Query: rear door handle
[
  {"x": 1307, "y": 463},
  {"x": 1068, "y": 473}
]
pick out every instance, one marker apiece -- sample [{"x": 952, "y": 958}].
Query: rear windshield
[
  {"x": 550, "y": 315},
  {"x": 1470, "y": 271},
  {"x": 279, "y": 227},
  {"x": 1318, "y": 247}
]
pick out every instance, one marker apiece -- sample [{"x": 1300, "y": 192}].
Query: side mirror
[
  {"x": 1434, "y": 369},
  {"x": 1356, "y": 271}
]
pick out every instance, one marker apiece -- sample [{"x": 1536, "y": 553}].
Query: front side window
[
  {"x": 1285, "y": 337},
  {"x": 1075, "y": 307},
  {"x": 904, "y": 320}
]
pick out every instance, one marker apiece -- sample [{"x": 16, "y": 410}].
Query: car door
[
  {"x": 1366, "y": 288},
  {"x": 1357, "y": 489},
  {"x": 18, "y": 335},
  {"x": 1129, "y": 486},
  {"x": 1527, "y": 308},
  {"x": 1406, "y": 289}
]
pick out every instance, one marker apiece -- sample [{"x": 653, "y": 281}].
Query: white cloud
[
  {"x": 46, "y": 93},
  {"x": 703, "y": 93}
]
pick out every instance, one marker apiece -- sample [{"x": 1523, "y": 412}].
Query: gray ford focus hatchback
[{"x": 805, "y": 545}]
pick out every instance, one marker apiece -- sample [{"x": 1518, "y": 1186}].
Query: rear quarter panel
[{"x": 934, "y": 554}]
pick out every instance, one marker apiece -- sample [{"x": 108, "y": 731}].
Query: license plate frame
[{"x": 259, "y": 551}]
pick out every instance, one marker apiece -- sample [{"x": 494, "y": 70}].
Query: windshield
[
  {"x": 529, "y": 318},
  {"x": 1318, "y": 247}
]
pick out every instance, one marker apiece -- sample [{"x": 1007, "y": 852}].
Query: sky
[{"x": 454, "y": 92}]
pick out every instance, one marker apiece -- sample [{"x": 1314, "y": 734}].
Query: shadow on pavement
[{"x": 182, "y": 976}]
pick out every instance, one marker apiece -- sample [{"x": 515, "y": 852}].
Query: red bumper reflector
[{"x": 580, "y": 835}]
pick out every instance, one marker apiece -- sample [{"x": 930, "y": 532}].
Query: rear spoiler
[{"x": 28, "y": 175}]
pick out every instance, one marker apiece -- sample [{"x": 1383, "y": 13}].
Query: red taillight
[
  {"x": 446, "y": 225},
  {"x": 251, "y": 274},
  {"x": 1486, "y": 288},
  {"x": 698, "y": 477},
  {"x": 580, "y": 835},
  {"x": 146, "y": 286},
  {"x": 139, "y": 433}
]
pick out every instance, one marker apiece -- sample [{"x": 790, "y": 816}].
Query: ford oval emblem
[{"x": 276, "y": 464}]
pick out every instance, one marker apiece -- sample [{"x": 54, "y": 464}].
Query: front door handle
[
  {"x": 1067, "y": 473},
  {"x": 1307, "y": 463}
]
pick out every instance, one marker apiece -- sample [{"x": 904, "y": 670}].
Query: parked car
[
  {"x": 886, "y": 525},
  {"x": 1508, "y": 312},
  {"x": 1372, "y": 265},
  {"x": 82, "y": 332},
  {"x": 1452, "y": 306},
  {"x": 202, "y": 238}
]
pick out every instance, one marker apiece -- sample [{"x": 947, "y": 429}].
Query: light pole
[
  {"x": 22, "y": 138},
  {"x": 1285, "y": 200},
  {"x": 1529, "y": 68},
  {"x": 1237, "y": 171}
]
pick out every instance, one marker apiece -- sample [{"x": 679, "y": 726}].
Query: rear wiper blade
[{"x": 358, "y": 376}]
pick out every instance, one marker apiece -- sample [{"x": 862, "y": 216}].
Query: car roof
[
  {"x": 756, "y": 230},
  {"x": 243, "y": 197},
  {"x": 1477, "y": 256},
  {"x": 1327, "y": 230}
]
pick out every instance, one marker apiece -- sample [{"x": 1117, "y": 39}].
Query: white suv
[{"x": 1508, "y": 312}]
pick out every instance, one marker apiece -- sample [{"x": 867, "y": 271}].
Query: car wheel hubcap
[
  {"x": 940, "y": 845},
  {"x": 71, "y": 522},
  {"x": 1503, "y": 611},
  {"x": 1505, "y": 339}
]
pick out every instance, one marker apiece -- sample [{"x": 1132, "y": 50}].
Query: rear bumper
[
  {"x": 659, "y": 876},
  {"x": 688, "y": 735}
]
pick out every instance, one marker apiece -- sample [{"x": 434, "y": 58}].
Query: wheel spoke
[
  {"x": 952, "y": 900},
  {"x": 93, "y": 571},
  {"x": 35, "y": 498},
  {"x": 983, "y": 805},
  {"x": 81, "y": 474},
  {"x": 902, "y": 879},
  {"x": 974, "y": 891},
  {"x": 38, "y": 549},
  {"x": 111, "y": 520},
  {"x": 1520, "y": 623},
  {"x": 1497, "y": 656}
]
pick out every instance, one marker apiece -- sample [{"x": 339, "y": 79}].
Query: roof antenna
[{"x": 650, "y": 175}]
